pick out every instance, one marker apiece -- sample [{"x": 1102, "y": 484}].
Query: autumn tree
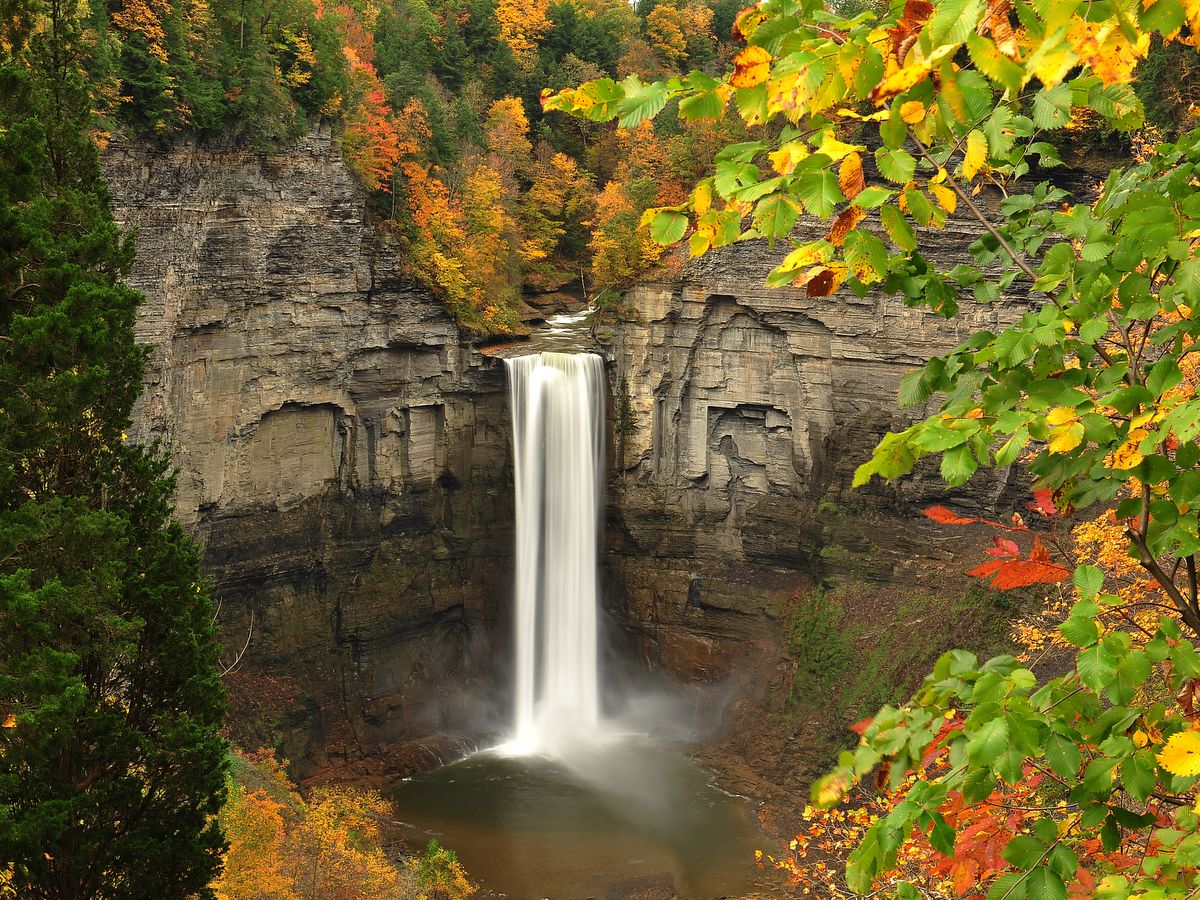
[
  {"x": 957, "y": 99},
  {"x": 111, "y": 764},
  {"x": 522, "y": 23}
]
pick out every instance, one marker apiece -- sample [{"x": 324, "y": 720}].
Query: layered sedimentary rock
[
  {"x": 747, "y": 410},
  {"x": 342, "y": 453}
]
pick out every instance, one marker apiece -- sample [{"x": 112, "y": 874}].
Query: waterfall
[{"x": 557, "y": 404}]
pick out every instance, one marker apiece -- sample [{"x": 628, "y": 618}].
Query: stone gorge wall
[
  {"x": 342, "y": 454},
  {"x": 752, "y": 407}
]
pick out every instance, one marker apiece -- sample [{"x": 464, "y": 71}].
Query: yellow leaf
[
  {"x": 1127, "y": 456},
  {"x": 1140, "y": 739},
  {"x": 877, "y": 116},
  {"x": 702, "y": 198},
  {"x": 785, "y": 158},
  {"x": 751, "y": 67},
  {"x": 1061, "y": 415},
  {"x": 806, "y": 255},
  {"x": 946, "y": 197},
  {"x": 912, "y": 112},
  {"x": 1052, "y": 59},
  {"x": 900, "y": 81},
  {"x": 835, "y": 149},
  {"x": 10, "y": 721},
  {"x": 1066, "y": 438},
  {"x": 975, "y": 156},
  {"x": 1104, "y": 47},
  {"x": 1181, "y": 755}
]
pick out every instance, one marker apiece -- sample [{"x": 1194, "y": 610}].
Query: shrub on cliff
[
  {"x": 1002, "y": 784},
  {"x": 111, "y": 765}
]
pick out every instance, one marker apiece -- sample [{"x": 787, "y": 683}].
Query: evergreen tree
[{"x": 111, "y": 765}]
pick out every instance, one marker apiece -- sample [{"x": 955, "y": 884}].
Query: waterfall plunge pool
[{"x": 616, "y": 818}]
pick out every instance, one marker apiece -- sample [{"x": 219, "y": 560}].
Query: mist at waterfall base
[{"x": 589, "y": 795}]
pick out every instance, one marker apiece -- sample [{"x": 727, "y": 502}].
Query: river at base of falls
[{"x": 615, "y": 819}]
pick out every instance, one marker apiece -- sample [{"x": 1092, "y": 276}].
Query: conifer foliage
[{"x": 111, "y": 766}]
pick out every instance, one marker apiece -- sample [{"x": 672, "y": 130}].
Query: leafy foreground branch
[{"x": 1000, "y": 785}]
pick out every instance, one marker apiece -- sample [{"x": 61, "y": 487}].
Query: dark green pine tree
[{"x": 112, "y": 769}]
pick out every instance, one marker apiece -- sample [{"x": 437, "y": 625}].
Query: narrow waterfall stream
[
  {"x": 558, "y": 417},
  {"x": 571, "y": 805}
]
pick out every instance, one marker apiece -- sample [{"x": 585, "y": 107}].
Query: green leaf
[
  {"x": 958, "y": 465},
  {"x": 701, "y": 106},
  {"x": 1096, "y": 668},
  {"x": 914, "y": 388},
  {"x": 642, "y": 101},
  {"x": 871, "y": 197},
  {"x": 819, "y": 191},
  {"x": 1187, "y": 281},
  {"x": 988, "y": 742},
  {"x": 1088, "y": 581},
  {"x": 1097, "y": 777},
  {"x": 895, "y": 165},
  {"x": 774, "y": 216},
  {"x": 668, "y": 226},
  {"x": 1052, "y": 107},
  {"x": 1044, "y": 884},
  {"x": 897, "y": 228},
  {"x": 1079, "y": 631},
  {"x": 953, "y": 21},
  {"x": 1139, "y": 776},
  {"x": 1024, "y": 851},
  {"x": 1063, "y": 756}
]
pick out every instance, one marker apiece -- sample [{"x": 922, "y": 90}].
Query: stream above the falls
[{"x": 612, "y": 819}]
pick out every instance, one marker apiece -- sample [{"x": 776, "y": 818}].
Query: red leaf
[
  {"x": 1038, "y": 553},
  {"x": 1018, "y": 573},
  {"x": 945, "y": 516},
  {"x": 861, "y": 725},
  {"x": 1043, "y": 502},
  {"x": 1004, "y": 549}
]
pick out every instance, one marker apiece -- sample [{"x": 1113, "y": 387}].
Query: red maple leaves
[{"x": 1008, "y": 569}]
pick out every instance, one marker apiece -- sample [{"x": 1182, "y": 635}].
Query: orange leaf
[
  {"x": 850, "y": 176},
  {"x": 964, "y": 876},
  {"x": 947, "y": 517},
  {"x": 847, "y": 220},
  {"x": 862, "y": 725},
  {"x": 1039, "y": 552}
]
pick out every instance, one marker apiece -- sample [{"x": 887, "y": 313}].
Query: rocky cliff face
[
  {"x": 342, "y": 454},
  {"x": 751, "y": 408}
]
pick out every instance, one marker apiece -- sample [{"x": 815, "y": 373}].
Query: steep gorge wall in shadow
[{"x": 342, "y": 452}]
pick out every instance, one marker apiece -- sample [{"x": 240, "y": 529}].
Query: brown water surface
[{"x": 621, "y": 819}]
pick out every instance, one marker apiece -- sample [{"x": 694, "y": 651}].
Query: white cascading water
[{"x": 557, "y": 404}]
